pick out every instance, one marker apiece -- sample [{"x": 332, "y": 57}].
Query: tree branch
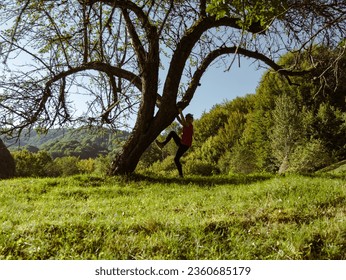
[
  {"x": 166, "y": 17},
  {"x": 195, "y": 81},
  {"x": 141, "y": 53},
  {"x": 14, "y": 31},
  {"x": 103, "y": 67},
  {"x": 130, "y": 5},
  {"x": 186, "y": 44},
  {"x": 202, "y": 8}
]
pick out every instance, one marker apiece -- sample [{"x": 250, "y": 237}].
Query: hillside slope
[{"x": 81, "y": 142}]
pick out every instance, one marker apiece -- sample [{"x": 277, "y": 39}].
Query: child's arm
[{"x": 181, "y": 118}]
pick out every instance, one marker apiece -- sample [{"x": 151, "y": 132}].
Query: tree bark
[
  {"x": 7, "y": 164},
  {"x": 125, "y": 162}
]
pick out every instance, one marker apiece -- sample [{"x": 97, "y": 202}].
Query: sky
[{"x": 218, "y": 86}]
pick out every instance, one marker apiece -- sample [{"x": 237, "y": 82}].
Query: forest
[
  {"x": 83, "y": 142},
  {"x": 64, "y": 151}
]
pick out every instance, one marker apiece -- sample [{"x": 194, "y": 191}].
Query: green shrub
[
  {"x": 102, "y": 164},
  {"x": 309, "y": 157},
  {"x": 86, "y": 166},
  {"x": 200, "y": 167},
  {"x": 164, "y": 167},
  {"x": 24, "y": 160},
  {"x": 224, "y": 163},
  {"x": 30, "y": 164},
  {"x": 67, "y": 166},
  {"x": 41, "y": 164},
  {"x": 242, "y": 160}
]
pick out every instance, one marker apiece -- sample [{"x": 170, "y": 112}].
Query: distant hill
[{"x": 81, "y": 142}]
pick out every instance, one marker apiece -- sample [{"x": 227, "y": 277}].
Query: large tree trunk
[
  {"x": 126, "y": 160},
  {"x": 7, "y": 164},
  {"x": 147, "y": 127}
]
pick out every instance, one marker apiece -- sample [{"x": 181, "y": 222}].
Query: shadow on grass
[
  {"x": 143, "y": 179},
  {"x": 341, "y": 176},
  {"x": 202, "y": 181},
  {"x": 332, "y": 167}
]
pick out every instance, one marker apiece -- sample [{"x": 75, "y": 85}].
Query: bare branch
[
  {"x": 186, "y": 44},
  {"x": 212, "y": 56},
  {"x": 14, "y": 32},
  {"x": 135, "y": 39}
]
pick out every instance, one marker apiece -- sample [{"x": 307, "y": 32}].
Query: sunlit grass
[{"x": 238, "y": 217}]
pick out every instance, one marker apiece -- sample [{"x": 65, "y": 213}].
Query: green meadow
[{"x": 148, "y": 217}]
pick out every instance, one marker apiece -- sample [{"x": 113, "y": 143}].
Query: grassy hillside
[
  {"x": 40, "y": 140},
  {"x": 238, "y": 217},
  {"x": 81, "y": 142}
]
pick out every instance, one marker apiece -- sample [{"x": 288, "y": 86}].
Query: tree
[
  {"x": 112, "y": 51},
  {"x": 311, "y": 113},
  {"x": 7, "y": 164},
  {"x": 217, "y": 132},
  {"x": 30, "y": 164},
  {"x": 287, "y": 130}
]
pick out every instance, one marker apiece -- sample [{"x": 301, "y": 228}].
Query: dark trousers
[{"x": 181, "y": 149}]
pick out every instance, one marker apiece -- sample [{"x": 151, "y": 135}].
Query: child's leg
[
  {"x": 182, "y": 149},
  {"x": 175, "y": 137}
]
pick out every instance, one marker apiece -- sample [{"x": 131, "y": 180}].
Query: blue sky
[{"x": 218, "y": 85}]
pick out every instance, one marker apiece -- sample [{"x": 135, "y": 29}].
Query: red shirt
[{"x": 186, "y": 138}]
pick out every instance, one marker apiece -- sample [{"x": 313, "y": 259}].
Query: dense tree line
[
  {"x": 287, "y": 126},
  {"x": 83, "y": 142},
  {"x": 41, "y": 164},
  {"x": 64, "y": 152}
]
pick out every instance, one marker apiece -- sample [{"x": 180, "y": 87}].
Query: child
[{"x": 186, "y": 139}]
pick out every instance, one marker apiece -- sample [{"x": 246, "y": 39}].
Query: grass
[{"x": 146, "y": 217}]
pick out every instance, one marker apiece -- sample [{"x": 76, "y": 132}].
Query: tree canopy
[{"x": 111, "y": 51}]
